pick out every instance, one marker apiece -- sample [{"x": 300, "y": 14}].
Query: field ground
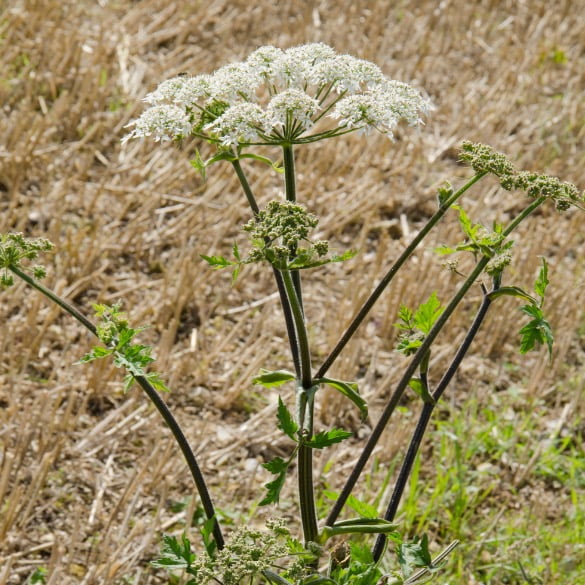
[{"x": 89, "y": 477}]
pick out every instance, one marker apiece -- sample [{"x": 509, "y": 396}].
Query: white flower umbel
[
  {"x": 293, "y": 111},
  {"x": 381, "y": 108},
  {"x": 163, "y": 123},
  {"x": 241, "y": 123},
  {"x": 346, "y": 74},
  {"x": 234, "y": 83},
  {"x": 291, "y": 91}
]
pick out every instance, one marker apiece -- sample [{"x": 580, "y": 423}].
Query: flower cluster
[
  {"x": 246, "y": 555},
  {"x": 277, "y": 231},
  {"x": 484, "y": 159},
  {"x": 277, "y": 96},
  {"x": 14, "y": 248}
]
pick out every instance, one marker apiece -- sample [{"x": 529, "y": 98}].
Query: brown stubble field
[{"x": 89, "y": 477}]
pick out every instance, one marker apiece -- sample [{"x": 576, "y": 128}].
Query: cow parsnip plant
[{"x": 285, "y": 99}]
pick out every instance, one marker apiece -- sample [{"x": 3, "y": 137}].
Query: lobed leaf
[
  {"x": 286, "y": 423},
  {"x": 327, "y": 438}
]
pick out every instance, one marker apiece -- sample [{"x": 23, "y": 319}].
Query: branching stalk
[
  {"x": 387, "y": 278},
  {"x": 423, "y": 421},
  {"x": 410, "y": 371},
  {"x": 155, "y": 398}
]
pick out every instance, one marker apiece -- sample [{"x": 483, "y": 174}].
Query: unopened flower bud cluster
[
  {"x": 277, "y": 96},
  {"x": 277, "y": 231},
  {"x": 14, "y": 248},
  {"x": 484, "y": 159}
]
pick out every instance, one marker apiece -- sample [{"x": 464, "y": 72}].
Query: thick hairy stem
[{"x": 158, "y": 402}]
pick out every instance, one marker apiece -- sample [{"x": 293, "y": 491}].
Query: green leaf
[
  {"x": 414, "y": 555},
  {"x": 217, "y": 261},
  {"x": 286, "y": 422},
  {"x": 421, "y": 389},
  {"x": 327, "y": 438},
  {"x": 272, "y": 379},
  {"x": 236, "y": 251},
  {"x": 364, "y": 509},
  {"x": 157, "y": 382},
  {"x": 542, "y": 281},
  {"x": 444, "y": 193},
  {"x": 96, "y": 353},
  {"x": 207, "y": 536},
  {"x": 305, "y": 259},
  {"x": 349, "y": 390},
  {"x": 175, "y": 554},
  {"x": 405, "y": 315},
  {"x": 538, "y": 330},
  {"x": 199, "y": 165},
  {"x": 427, "y": 314},
  {"x": 39, "y": 577},
  {"x": 276, "y": 465},
  {"x": 444, "y": 250},
  {"x": 273, "y": 489}
]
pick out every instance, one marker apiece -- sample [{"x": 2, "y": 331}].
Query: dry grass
[{"x": 88, "y": 475}]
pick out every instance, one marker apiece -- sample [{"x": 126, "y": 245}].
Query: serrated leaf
[
  {"x": 286, "y": 423},
  {"x": 538, "y": 330},
  {"x": 327, "y": 438},
  {"x": 364, "y": 509},
  {"x": 276, "y": 465},
  {"x": 236, "y": 251},
  {"x": 427, "y": 314},
  {"x": 349, "y": 390},
  {"x": 199, "y": 165},
  {"x": 468, "y": 228},
  {"x": 207, "y": 536},
  {"x": 272, "y": 379},
  {"x": 414, "y": 555},
  {"x": 157, "y": 382},
  {"x": 96, "y": 353},
  {"x": 217, "y": 261},
  {"x": 175, "y": 554},
  {"x": 273, "y": 488},
  {"x": 444, "y": 193}
]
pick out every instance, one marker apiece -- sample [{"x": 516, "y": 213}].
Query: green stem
[
  {"x": 155, "y": 398},
  {"x": 288, "y": 318},
  {"x": 410, "y": 371},
  {"x": 288, "y": 162},
  {"x": 387, "y": 278},
  {"x": 305, "y": 409},
  {"x": 300, "y": 329},
  {"x": 245, "y": 186}
]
